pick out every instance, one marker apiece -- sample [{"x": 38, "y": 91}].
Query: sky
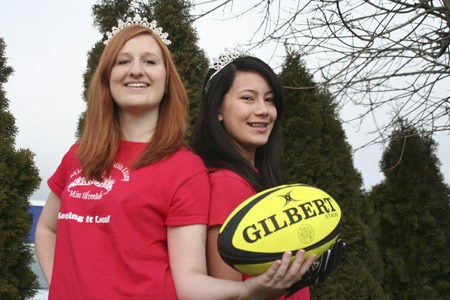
[{"x": 47, "y": 45}]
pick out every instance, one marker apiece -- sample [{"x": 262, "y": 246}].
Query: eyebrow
[
  {"x": 144, "y": 53},
  {"x": 254, "y": 91}
]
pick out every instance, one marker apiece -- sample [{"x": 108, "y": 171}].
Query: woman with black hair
[{"x": 238, "y": 136}]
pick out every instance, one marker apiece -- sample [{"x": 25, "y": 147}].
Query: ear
[{"x": 219, "y": 116}]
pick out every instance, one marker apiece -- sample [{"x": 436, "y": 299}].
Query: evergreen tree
[
  {"x": 414, "y": 218},
  {"x": 174, "y": 17},
  {"x": 316, "y": 152},
  {"x": 18, "y": 179}
]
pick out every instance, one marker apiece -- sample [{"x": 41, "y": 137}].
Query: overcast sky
[{"x": 47, "y": 44}]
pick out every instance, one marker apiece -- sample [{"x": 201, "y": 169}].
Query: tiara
[
  {"x": 228, "y": 56},
  {"x": 137, "y": 20}
]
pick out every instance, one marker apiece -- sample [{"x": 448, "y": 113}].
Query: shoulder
[
  {"x": 228, "y": 179},
  {"x": 68, "y": 165},
  {"x": 73, "y": 148},
  {"x": 228, "y": 190},
  {"x": 183, "y": 161},
  {"x": 186, "y": 157},
  {"x": 71, "y": 154},
  {"x": 221, "y": 174}
]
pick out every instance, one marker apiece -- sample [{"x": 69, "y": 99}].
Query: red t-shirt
[
  {"x": 112, "y": 235},
  {"x": 228, "y": 190}
]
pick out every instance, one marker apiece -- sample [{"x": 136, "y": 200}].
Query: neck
[
  {"x": 138, "y": 128},
  {"x": 249, "y": 154}
]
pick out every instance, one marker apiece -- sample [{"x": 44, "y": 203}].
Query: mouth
[
  {"x": 258, "y": 125},
  {"x": 137, "y": 84}
]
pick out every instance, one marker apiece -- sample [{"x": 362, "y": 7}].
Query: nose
[
  {"x": 136, "y": 69},
  {"x": 261, "y": 109}
]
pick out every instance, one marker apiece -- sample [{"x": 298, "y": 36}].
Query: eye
[
  {"x": 123, "y": 61},
  {"x": 149, "y": 62},
  {"x": 269, "y": 99},
  {"x": 247, "y": 98}
]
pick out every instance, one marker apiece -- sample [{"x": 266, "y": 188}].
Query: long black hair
[{"x": 212, "y": 143}]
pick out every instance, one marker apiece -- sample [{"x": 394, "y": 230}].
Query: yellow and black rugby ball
[{"x": 284, "y": 218}]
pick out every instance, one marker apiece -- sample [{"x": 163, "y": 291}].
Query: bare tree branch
[{"x": 381, "y": 55}]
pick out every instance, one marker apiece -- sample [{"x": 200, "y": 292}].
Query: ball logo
[
  {"x": 306, "y": 234},
  {"x": 288, "y": 198}
]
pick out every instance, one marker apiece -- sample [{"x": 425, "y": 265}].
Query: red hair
[{"x": 99, "y": 142}]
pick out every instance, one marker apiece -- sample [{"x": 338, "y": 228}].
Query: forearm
[
  {"x": 200, "y": 286},
  {"x": 45, "y": 236},
  {"x": 45, "y": 249}
]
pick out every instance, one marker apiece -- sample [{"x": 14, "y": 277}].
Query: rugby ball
[{"x": 284, "y": 218}]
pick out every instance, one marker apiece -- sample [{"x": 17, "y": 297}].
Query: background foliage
[{"x": 18, "y": 179}]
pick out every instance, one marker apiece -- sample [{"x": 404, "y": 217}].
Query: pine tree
[
  {"x": 18, "y": 179},
  {"x": 414, "y": 217},
  {"x": 316, "y": 152},
  {"x": 174, "y": 17}
]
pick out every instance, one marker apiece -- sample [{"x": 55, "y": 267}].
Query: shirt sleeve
[
  {"x": 228, "y": 190},
  {"x": 190, "y": 204},
  {"x": 58, "y": 180}
]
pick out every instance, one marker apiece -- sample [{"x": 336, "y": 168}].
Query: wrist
[{"x": 253, "y": 290}]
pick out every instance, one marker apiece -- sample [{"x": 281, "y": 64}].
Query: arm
[
  {"x": 188, "y": 265},
  {"x": 228, "y": 190},
  {"x": 45, "y": 236},
  {"x": 216, "y": 266}
]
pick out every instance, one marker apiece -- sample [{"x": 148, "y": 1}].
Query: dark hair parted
[{"x": 213, "y": 144}]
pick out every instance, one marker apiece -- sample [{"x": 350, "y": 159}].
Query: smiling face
[
  {"x": 248, "y": 112},
  {"x": 138, "y": 78}
]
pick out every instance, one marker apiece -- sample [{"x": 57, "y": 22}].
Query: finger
[
  {"x": 285, "y": 262},
  {"x": 270, "y": 273},
  {"x": 299, "y": 256},
  {"x": 276, "y": 271},
  {"x": 307, "y": 264},
  {"x": 277, "y": 275},
  {"x": 296, "y": 264}
]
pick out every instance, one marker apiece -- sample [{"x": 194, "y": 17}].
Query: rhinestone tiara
[
  {"x": 137, "y": 20},
  {"x": 228, "y": 56}
]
